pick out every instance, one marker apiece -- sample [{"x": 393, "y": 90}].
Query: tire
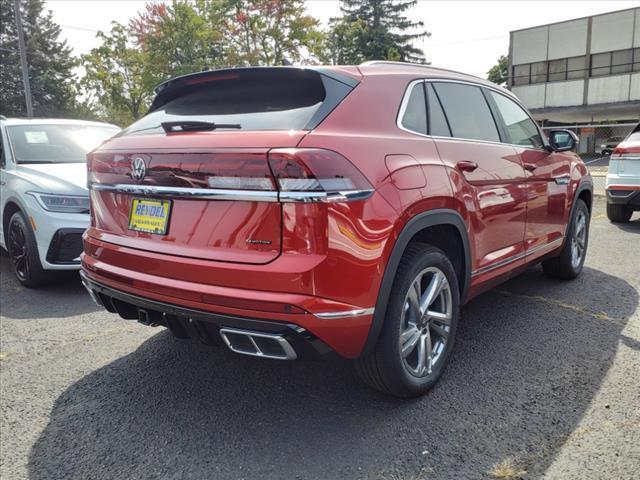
[
  {"x": 566, "y": 266},
  {"x": 619, "y": 213},
  {"x": 386, "y": 368},
  {"x": 23, "y": 252}
]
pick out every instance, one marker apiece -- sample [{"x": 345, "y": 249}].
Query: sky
[{"x": 467, "y": 36}]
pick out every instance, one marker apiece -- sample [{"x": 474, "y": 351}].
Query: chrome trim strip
[
  {"x": 349, "y": 313},
  {"x": 305, "y": 197},
  {"x": 288, "y": 352},
  {"x": 199, "y": 193},
  {"x": 515, "y": 258},
  {"x": 237, "y": 195}
]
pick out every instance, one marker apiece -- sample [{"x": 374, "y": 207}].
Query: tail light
[
  {"x": 312, "y": 175},
  {"x": 627, "y": 151}
]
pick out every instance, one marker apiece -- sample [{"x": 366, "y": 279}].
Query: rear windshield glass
[
  {"x": 56, "y": 143},
  {"x": 256, "y": 100}
]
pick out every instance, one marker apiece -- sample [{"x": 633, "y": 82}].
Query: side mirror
[{"x": 562, "y": 140}]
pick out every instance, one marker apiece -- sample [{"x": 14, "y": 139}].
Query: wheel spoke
[
  {"x": 440, "y": 331},
  {"x": 409, "y": 339},
  {"x": 414, "y": 299},
  {"x": 422, "y": 354},
  {"x": 433, "y": 290},
  {"x": 440, "y": 317}
]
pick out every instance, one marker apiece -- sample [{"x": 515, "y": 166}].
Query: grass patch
[{"x": 507, "y": 470}]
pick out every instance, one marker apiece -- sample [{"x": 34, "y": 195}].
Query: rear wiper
[{"x": 194, "y": 126}]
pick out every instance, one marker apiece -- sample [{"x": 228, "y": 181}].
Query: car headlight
[{"x": 62, "y": 203}]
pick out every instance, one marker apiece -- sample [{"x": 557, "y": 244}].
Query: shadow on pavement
[
  {"x": 71, "y": 296},
  {"x": 530, "y": 357},
  {"x": 632, "y": 226}
]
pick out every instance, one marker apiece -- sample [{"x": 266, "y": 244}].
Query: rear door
[
  {"x": 192, "y": 177},
  {"x": 488, "y": 173},
  {"x": 548, "y": 175}
]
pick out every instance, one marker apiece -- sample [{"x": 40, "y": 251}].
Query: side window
[
  {"x": 467, "y": 112},
  {"x": 437, "y": 121},
  {"x": 520, "y": 128},
  {"x": 414, "y": 117}
]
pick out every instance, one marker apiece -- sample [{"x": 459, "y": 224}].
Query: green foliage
[
  {"x": 375, "y": 30},
  {"x": 118, "y": 79},
  {"x": 500, "y": 71},
  {"x": 50, "y": 63}
]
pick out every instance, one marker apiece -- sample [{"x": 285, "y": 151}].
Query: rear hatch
[
  {"x": 625, "y": 159},
  {"x": 193, "y": 177}
]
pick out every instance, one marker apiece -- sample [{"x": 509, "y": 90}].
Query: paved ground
[{"x": 545, "y": 379}]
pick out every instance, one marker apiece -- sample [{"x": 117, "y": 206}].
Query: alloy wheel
[
  {"x": 426, "y": 321},
  {"x": 579, "y": 240},
  {"x": 18, "y": 250}
]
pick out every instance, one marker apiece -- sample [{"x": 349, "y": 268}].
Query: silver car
[{"x": 44, "y": 206}]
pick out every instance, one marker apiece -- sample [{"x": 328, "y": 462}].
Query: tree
[
  {"x": 376, "y": 30},
  {"x": 271, "y": 32},
  {"x": 179, "y": 38},
  {"x": 118, "y": 78},
  {"x": 49, "y": 60},
  {"x": 500, "y": 71}
]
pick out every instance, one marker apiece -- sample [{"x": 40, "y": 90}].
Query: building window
[
  {"x": 600, "y": 64},
  {"x": 539, "y": 72},
  {"x": 521, "y": 74},
  {"x": 636, "y": 60},
  {"x": 621, "y": 61},
  {"x": 576, "y": 67},
  {"x": 558, "y": 70}
]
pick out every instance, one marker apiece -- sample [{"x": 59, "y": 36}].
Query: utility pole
[{"x": 23, "y": 60}]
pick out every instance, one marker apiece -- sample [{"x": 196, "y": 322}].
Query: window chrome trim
[
  {"x": 234, "y": 195},
  {"x": 347, "y": 314},
  {"x": 504, "y": 92},
  {"x": 199, "y": 193}
]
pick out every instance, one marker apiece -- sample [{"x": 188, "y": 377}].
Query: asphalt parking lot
[{"x": 544, "y": 382}]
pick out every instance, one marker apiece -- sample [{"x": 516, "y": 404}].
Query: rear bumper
[
  {"x": 340, "y": 326},
  {"x": 191, "y": 323},
  {"x": 624, "y": 195}
]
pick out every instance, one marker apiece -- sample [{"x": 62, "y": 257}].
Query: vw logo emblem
[{"x": 138, "y": 168}]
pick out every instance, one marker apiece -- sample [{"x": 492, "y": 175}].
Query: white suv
[
  {"x": 44, "y": 202},
  {"x": 623, "y": 179}
]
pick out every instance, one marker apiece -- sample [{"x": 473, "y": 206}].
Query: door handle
[
  {"x": 467, "y": 166},
  {"x": 530, "y": 167}
]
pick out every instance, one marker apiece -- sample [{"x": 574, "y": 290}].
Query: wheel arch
[
  {"x": 427, "y": 226},
  {"x": 11, "y": 206}
]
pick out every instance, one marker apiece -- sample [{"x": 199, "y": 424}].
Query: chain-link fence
[{"x": 595, "y": 146}]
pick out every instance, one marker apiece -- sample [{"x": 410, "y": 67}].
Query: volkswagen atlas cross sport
[{"x": 285, "y": 211}]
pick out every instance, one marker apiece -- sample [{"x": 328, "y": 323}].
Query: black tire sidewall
[
  {"x": 580, "y": 207},
  {"x": 404, "y": 383},
  {"x": 36, "y": 273}
]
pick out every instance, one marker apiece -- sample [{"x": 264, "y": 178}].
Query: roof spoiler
[{"x": 166, "y": 91}]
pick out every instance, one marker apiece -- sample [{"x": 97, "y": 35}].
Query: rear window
[{"x": 256, "y": 99}]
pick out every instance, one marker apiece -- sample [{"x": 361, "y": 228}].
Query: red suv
[{"x": 287, "y": 211}]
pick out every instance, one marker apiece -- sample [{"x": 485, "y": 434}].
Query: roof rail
[
  {"x": 2, "y": 117},
  {"x": 418, "y": 65}
]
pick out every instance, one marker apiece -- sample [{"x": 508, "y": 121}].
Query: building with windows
[{"x": 580, "y": 71}]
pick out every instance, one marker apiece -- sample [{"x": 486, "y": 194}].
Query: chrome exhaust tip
[{"x": 258, "y": 344}]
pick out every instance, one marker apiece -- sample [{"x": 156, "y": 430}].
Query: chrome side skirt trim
[
  {"x": 515, "y": 258},
  {"x": 233, "y": 195},
  {"x": 349, "y": 313}
]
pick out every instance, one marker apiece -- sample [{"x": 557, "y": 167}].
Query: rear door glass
[
  {"x": 415, "y": 114},
  {"x": 437, "y": 121},
  {"x": 467, "y": 112}
]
